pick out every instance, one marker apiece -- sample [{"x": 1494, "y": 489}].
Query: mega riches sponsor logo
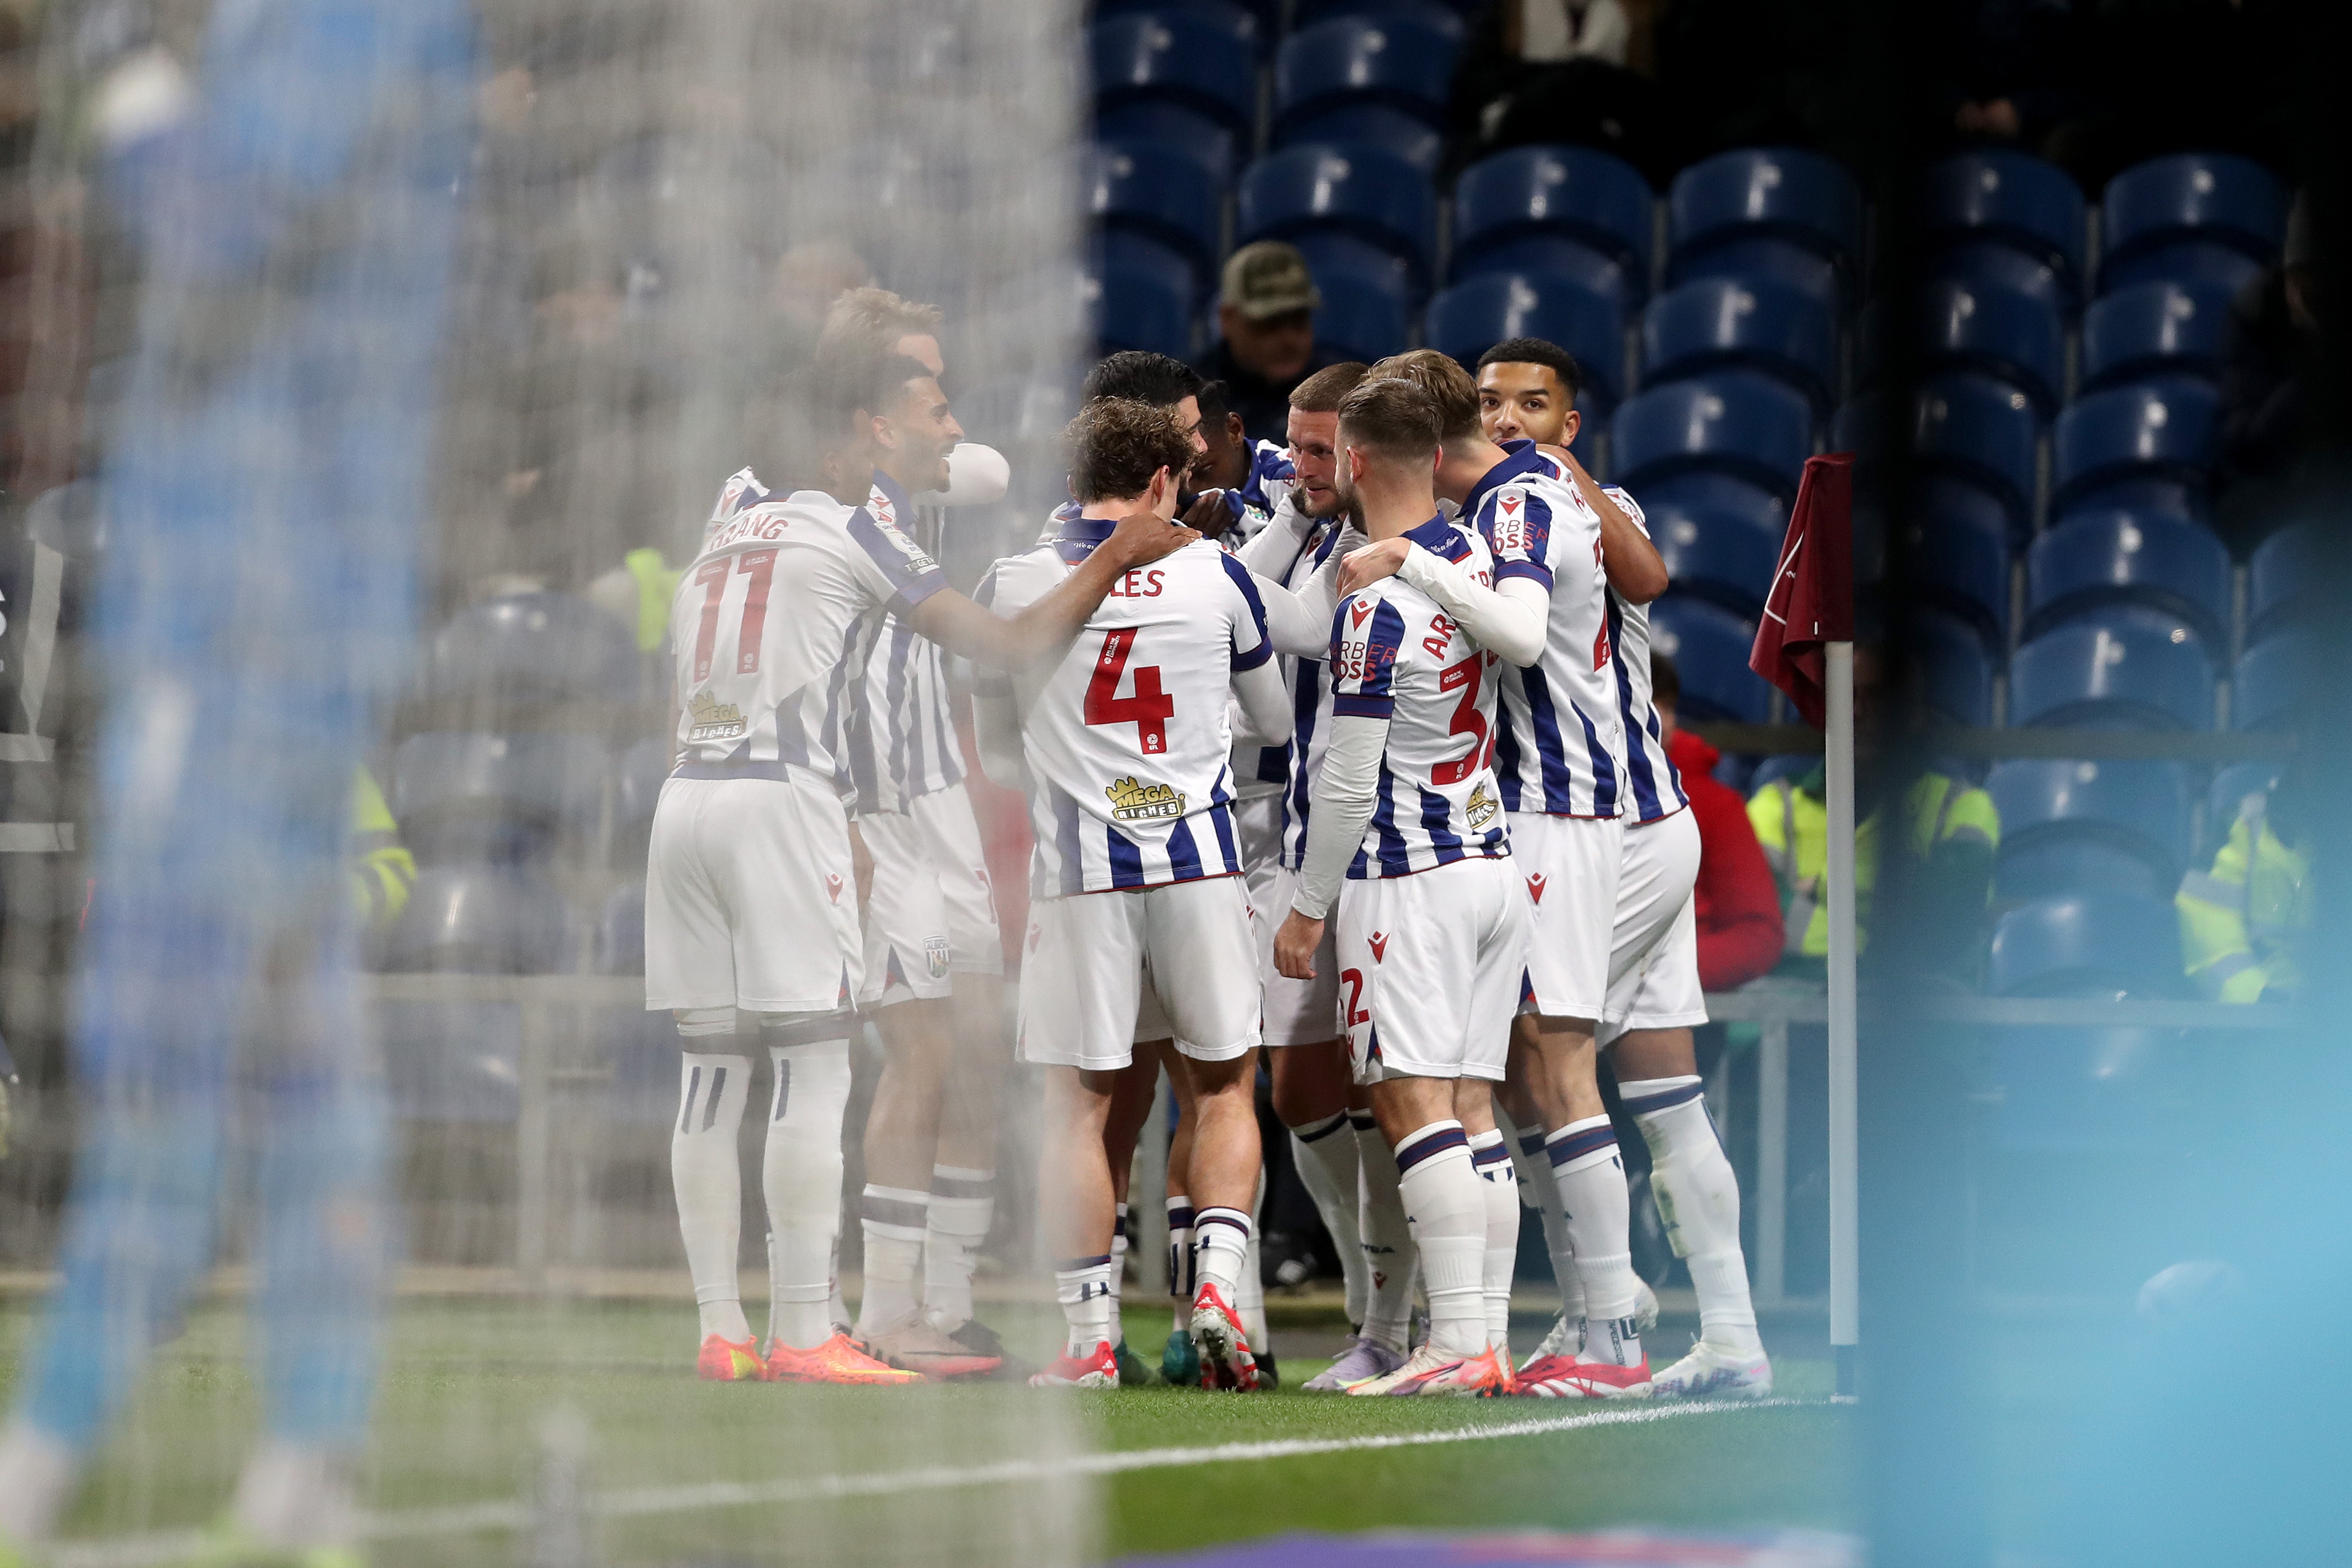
[
  {"x": 713, "y": 720},
  {"x": 1134, "y": 802}
]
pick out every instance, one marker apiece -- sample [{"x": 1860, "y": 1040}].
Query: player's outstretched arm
[
  {"x": 1635, "y": 569},
  {"x": 1300, "y": 621},
  {"x": 1265, "y": 704},
  {"x": 1512, "y": 619},
  {"x": 1344, "y": 795},
  {"x": 996, "y": 729},
  {"x": 1041, "y": 632}
]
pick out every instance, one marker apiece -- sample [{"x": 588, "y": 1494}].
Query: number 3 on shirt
[
  {"x": 1149, "y": 709},
  {"x": 1468, "y": 720}
]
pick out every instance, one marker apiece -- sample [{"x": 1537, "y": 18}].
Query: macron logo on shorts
[
  {"x": 1536, "y": 887},
  {"x": 832, "y": 886},
  {"x": 1380, "y": 945}
]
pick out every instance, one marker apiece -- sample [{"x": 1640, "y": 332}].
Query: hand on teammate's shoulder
[
  {"x": 1145, "y": 537},
  {"x": 1359, "y": 569}
]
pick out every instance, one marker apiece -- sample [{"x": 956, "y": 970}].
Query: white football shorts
[
  {"x": 1299, "y": 1012},
  {"x": 1091, "y": 959},
  {"x": 1567, "y": 868},
  {"x": 752, "y": 898},
  {"x": 1429, "y": 969},
  {"x": 931, "y": 914},
  {"x": 1653, "y": 959}
]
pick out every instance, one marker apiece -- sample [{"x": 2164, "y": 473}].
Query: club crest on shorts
[
  {"x": 1036, "y": 935},
  {"x": 1134, "y": 802},
  {"x": 1536, "y": 885},
  {"x": 935, "y": 956},
  {"x": 832, "y": 886},
  {"x": 1380, "y": 945},
  {"x": 1480, "y": 808}
]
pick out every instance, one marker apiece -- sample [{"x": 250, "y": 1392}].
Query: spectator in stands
[
  {"x": 2013, "y": 70},
  {"x": 2147, "y": 61},
  {"x": 1950, "y": 830},
  {"x": 2273, "y": 343},
  {"x": 809, "y": 277},
  {"x": 1553, "y": 71},
  {"x": 1736, "y": 901},
  {"x": 1266, "y": 317},
  {"x": 383, "y": 871},
  {"x": 2242, "y": 924}
]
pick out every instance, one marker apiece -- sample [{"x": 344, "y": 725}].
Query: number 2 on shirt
[{"x": 1149, "y": 709}]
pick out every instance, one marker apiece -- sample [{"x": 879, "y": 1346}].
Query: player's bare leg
[
  {"x": 1442, "y": 1189},
  {"x": 963, "y": 1170},
  {"x": 1136, "y": 1092},
  {"x": 1079, "y": 1211},
  {"x": 1698, "y": 1198},
  {"x": 1223, "y": 1167},
  {"x": 1591, "y": 1176}
]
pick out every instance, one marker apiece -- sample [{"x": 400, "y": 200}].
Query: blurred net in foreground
[{"x": 388, "y": 360}]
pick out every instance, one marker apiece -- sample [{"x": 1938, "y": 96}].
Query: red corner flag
[{"x": 1813, "y": 595}]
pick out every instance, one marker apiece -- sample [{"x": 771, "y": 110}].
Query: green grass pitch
[{"x": 468, "y": 1387}]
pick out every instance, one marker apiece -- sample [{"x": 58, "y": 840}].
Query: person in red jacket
[{"x": 1737, "y": 905}]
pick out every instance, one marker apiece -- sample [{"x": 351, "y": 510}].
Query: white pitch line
[{"x": 162, "y": 1547}]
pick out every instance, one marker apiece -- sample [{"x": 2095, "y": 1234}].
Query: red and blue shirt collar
[{"x": 1524, "y": 458}]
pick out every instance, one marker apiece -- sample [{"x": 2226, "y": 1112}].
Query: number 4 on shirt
[{"x": 1149, "y": 709}]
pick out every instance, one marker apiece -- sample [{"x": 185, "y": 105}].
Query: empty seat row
[{"x": 476, "y": 795}]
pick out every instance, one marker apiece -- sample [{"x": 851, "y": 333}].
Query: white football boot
[{"x": 1708, "y": 1373}]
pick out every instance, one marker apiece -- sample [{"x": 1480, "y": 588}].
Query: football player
[
  {"x": 1561, "y": 759},
  {"x": 1526, "y": 391},
  {"x": 750, "y": 901},
  {"x": 1408, "y": 836},
  {"x": 934, "y": 963},
  {"x": 1122, "y": 745}
]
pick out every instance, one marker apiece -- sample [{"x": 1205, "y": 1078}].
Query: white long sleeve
[
  {"x": 1513, "y": 618},
  {"x": 1299, "y": 623},
  {"x": 1343, "y": 800},
  {"x": 1262, "y": 706},
  {"x": 977, "y": 475},
  {"x": 996, "y": 730},
  {"x": 1271, "y": 551}
]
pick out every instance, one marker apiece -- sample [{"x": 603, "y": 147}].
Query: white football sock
[
  {"x": 1083, "y": 1286},
  {"x": 1540, "y": 1188},
  {"x": 1119, "y": 1244},
  {"x": 1698, "y": 1198},
  {"x": 1325, "y": 1153},
  {"x": 1249, "y": 1300},
  {"x": 1445, "y": 1204},
  {"x": 801, "y": 1175},
  {"x": 963, "y": 1206},
  {"x": 299, "y": 1496},
  {"x": 36, "y": 1480},
  {"x": 1490, "y": 1156},
  {"x": 1181, "y": 1286},
  {"x": 1390, "y": 1264},
  {"x": 712, "y": 1088},
  {"x": 895, "y": 1220},
  {"x": 1220, "y": 1238},
  {"x": 1591, "y": 1181}
]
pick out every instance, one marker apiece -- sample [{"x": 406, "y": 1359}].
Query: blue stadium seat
[
  {"x": 1765, "y": 259},
  {"x": 481, "y": 920},
  {"x": 1551, "y": 256},
  {"x": 1777, "y": 192},
  {"x": 1019, "y": 411},
  {"x": 2075, "y": 1091},
  {"x": 2150, "y": 444},
  {"x": 1332, "y": 254},
  {"x": 1734, "y": 421},
  {"x": 1987, "y": 264},
  {"x": 1252, "y": 23},
  {"x": 2206, "y": 197},
  {"x": 1720, "y": 538},
  {"x": 1794, "y": 768},
  {"x": 2154, "y": 329},
  {"x": 532, "y": 648},
  {"x": 1136, "y": 309},
  {"x": 2087, "y": 943},
  {"x": 2008, "y": 198},
  {"x": 1955, "y": 669},
  {"x": 1398, "y": 59},
  {"x": 1469, "y": 318},
  {"x": 1366, "y": 192},
  {"x": 2280, "y": 576},
  {"x": 1574, "y": 194},
  {"x": 1709, "y": 646},
  {"x": 642, "y": 1049},
  {"x": 1960, "y": 559},
  {"x": 636, "y": 791},
  {"x": 2005, "y": 334},
  {"x": 2268, "y": 687},
  {"x": 1360, "y": 319},
  {"x": 1177, "y": 59},
  {"x": 2126, "y": 667},
  {"x": 2220, "y": 268},
  {"x": 1127, "y": 251},
  {"x": 1718, "y": 323},
  {"x": 2111, "y": 557},
  {"x": 1159, "y": 191},
  {"x": 1171, "y": 125},
  {"x": 457, "y": 1061},
  {"x": 1981, "y": 430},
  {"x": 2076, "y": 827},
  {"x": 1407, "y": 135},
  {"x": 1435, "y": 15},
  {"x": 621, "y": 931},
  {"x": 469, "y": 796}
]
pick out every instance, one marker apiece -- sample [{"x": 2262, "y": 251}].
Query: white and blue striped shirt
[
  {"x": 1653, "y": 786},
  {"x": 902, "y": 739}
]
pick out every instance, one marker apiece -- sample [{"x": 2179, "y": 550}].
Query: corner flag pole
[
  {"x": 1845, "y": 1295},
  {"x": 1804, "y": 645}
]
